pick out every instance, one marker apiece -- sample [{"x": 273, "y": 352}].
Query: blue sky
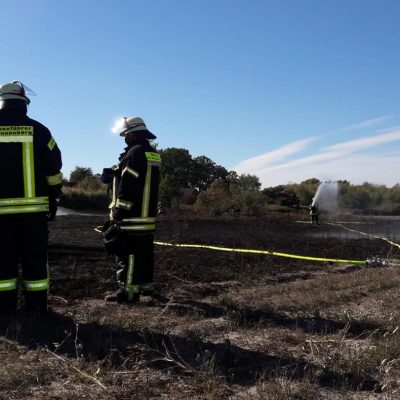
[{"x": 282, "y": 89}]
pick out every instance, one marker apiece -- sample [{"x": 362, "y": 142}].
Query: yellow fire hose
[
  {"x": 264, "y": 252},
  {"x": 274, "y": 253},
  {"x": 364, "y": 234}
]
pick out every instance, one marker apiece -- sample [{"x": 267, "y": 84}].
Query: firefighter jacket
[
  {"x": 135, "y": 188},
  {"x": 30, "y": 164},
  {"x": 313, "y": 210}
]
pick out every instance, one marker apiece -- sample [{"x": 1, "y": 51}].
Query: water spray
[{"x": 326, "y": 195}]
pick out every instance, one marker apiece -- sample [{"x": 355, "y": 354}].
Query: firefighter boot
[
  {"x": 121, "y": 296},
  {"x": 148, "y": 290}
]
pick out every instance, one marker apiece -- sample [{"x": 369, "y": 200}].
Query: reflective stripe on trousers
[
  {"x": 37, "y": 285},
  {"x": 8, "y": 284},
  {"x": 131, "y": 288}
]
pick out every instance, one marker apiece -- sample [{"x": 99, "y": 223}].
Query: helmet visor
[
  {"x": 16, "y": 90},
  {"x": 120, "y": 126}
]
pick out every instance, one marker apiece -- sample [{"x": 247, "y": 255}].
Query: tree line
[{"x": 201, "y": 185}]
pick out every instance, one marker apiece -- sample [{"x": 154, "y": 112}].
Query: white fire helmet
[
  {"x": 14, "y": 90},
  {"x": 127, "y": 125}
]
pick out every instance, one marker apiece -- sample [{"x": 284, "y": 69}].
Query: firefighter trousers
[
  {"x": 135, "y": 263},
  {"x": 23, "y": 241}
]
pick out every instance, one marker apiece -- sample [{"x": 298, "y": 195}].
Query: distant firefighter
[
  {"x": 30, "y": 161},
  {"x": 129, "y": 232},
  {"x": 314, "y": 214}
]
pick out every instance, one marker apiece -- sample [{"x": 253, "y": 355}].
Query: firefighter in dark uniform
[
  {"x": 30, "y": 163},
  {"x": 133, "y": 210},
  {"x": 314, "y": 214}
]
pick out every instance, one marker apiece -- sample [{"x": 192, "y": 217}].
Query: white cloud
[
  {"x": 359, "y": 168},
  {"x": 347, "y": 160},
  {"x": 367, "y": 124},
  {"x": 367, "y": 142},
  {"x": 261, "y": 161}
]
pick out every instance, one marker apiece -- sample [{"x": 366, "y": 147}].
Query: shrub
[{"x": 87, "y": 194}]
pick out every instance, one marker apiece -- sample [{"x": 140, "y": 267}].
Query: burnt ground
[{"x": 233, "y": 326}]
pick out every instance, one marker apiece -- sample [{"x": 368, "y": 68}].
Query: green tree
[
  {"x": 79, "y": 174},
  {"x": 216, "y": 200},
  {"x": 168, "y": 191},
  {"x": 391, "y": 201},
  {"x": 232, "y": 177},
  {"x": 376, "y": 192},
  {"x": 306, "y": 190},
  {"x": 356, "y": 198},
  {"x": 245, "y": 183},
  {"x": 179, "y": 172},
  {"x": 206, "y": 171},
  {"x": 175, "y": 175},
  {"x": 246, "y": 195},
  {"x": 177, "y": 164},
  {"x": 282, "y": 195}
]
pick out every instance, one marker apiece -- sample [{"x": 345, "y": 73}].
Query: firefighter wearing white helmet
[
  {"x": 31, "y": 183},
  {"x": 14, "y": 90},
  {"x": 129, "y": 232},
  {"x": 132, "y": 124}
]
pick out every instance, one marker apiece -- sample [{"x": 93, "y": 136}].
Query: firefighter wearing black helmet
[
  {"x": 30, "y": 163},
  {"x": 129, "y": 232}
]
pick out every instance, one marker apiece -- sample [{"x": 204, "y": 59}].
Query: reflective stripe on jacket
[
  {"x": 30, "y": 164},
  {"x": 135, "y": 188}
]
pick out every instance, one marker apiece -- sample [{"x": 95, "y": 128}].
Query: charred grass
[{"x": 233, "y": 326}]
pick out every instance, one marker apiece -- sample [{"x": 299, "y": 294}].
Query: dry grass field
[{"x": 234, "y": 325}]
